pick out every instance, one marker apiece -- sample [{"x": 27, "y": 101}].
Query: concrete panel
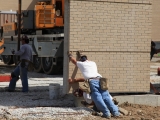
[
  {"x": 155, "y": 20},
  {"x": 147, "y": 100},
  {"x": 158, "y": 100},
  {"x": 117, "y": 40},
  {"x": 152, "y": 100},
  {"x": 66, "y": 48},
  {"x": 122, "y": 99}
]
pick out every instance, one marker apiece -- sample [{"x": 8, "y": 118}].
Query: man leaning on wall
[{"x": 100, "y": 97}]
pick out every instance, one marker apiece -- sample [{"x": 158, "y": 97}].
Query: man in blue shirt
[{"x": 21, "y": 70}]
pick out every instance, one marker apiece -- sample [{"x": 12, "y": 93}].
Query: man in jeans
[
  {"x": 25, "y": 54},
  {"x": 100, "y": 97}
]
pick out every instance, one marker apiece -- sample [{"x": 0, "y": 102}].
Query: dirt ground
[
  {"x": 141, "y": 112},
  {"x": 135, "y": 112}
]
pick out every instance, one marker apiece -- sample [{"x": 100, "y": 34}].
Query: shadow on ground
[{"x": 37, "y": 97}]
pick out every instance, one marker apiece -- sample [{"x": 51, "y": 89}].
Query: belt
[{"x": 95, "y": 78}]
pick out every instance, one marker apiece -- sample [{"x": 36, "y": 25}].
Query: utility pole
[{"x": 19, "y": 23}]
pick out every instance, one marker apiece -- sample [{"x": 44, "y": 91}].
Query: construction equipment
[
  {"x": 154, "y": 89},
  {"x": 45, "y": 28}
]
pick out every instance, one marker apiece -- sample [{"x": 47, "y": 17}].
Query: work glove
[
  {"x": 70, "y": 54},
  {"x": 79, "y": 53}
]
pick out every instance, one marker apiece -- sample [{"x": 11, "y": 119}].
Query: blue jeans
[
  {"x": 102, "y": 100},
  {"x": 23, "y": 75}
]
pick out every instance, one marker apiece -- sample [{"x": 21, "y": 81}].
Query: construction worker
[
  {"x": 100, "y": 97},
  {"x": 21, "y": 70},
  {"x": 87, "y": 98}
]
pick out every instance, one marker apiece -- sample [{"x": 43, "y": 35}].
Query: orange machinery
[
  {"x": 45, "y": 27},
  {"x": 49, "y": 14}
]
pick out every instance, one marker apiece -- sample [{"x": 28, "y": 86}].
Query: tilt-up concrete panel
[
  {"x": 148, "y": 99},
  {"x": 116, "y": 35}
]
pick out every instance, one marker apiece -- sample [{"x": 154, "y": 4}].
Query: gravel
[
  {"x": 36, "y": 104},
  {"x": 45, "y": 113}
]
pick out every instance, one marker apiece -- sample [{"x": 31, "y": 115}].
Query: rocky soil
[{"x": 135, "y": 112}]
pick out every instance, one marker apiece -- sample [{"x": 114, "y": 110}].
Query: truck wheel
[
  {"x": 47, "y": 64},
  {"x": 51, "y": 69},
  {"x": 48, "y": 67},
  {"x": 7, "y": 59},
  {"x": 37, "y": 61}
]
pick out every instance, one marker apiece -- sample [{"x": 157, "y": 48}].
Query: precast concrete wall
[
  {"x": 116, "y": 35},
  {"x": 156, "y": 20}
]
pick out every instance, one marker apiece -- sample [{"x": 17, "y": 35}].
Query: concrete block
[
  {"x": 146, "y": 100},
  {"x": 77, "y": 101},
  {"x": 122, "y": 99}
]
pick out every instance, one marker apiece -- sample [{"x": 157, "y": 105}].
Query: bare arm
[
  {"x": 76, "y": 80},
  {"x": 73, "y": 60}
]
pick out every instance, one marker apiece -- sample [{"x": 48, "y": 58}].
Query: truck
[{"x": 45, "y": 28}]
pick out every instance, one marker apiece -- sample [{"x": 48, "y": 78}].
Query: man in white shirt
[{"x": 100, "y": 97}]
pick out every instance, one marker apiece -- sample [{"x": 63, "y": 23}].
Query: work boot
[{"x": 107, "y": 117}]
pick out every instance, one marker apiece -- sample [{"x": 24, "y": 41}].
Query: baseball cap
[
  {"x": 24, "y": 37},
  {"x": 83, "y": 58}
]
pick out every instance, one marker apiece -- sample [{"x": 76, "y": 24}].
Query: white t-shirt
[{"x": 88, "y": 69}]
